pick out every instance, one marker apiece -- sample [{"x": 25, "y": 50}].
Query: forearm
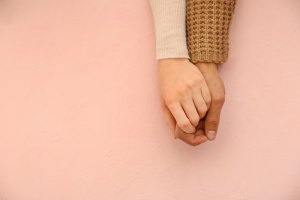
[
  {"x": 170, "y": 28},
  {"x": 208, "y": 23}
]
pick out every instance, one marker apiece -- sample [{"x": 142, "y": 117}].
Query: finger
[
  {"x": 190, "y": 110},
  {"x": 181, "y": 118},
  {"x": 199, "y": 102},
  {"x": 206, "y": 95},
  {"x": 171, "y": 122},
  {"x": 189, "y": 138},
  {"x": 201, "y": 131},
  {"x": 201, "y": 124},
  {"x": 212, "y": 119}
]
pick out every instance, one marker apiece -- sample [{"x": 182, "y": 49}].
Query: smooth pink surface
[{"x": 80, "y": 116}]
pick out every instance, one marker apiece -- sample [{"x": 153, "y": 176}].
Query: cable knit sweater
[{"x": 194, "y": 29}]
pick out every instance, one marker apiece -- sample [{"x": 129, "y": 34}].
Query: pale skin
[{"x": 192, "y": 97}]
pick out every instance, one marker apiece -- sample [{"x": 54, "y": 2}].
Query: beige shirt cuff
[{"x": 169, "y": 20}]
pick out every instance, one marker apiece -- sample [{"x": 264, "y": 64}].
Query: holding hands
[
  {"x": 192, "y": 97},
  {"x": 192, "y": 36}
]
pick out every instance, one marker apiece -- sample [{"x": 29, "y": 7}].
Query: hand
[
  {"x": 192, "y": 139},
  {"x": 185, "y": 97},
  {"x": 217, "y": 93}
]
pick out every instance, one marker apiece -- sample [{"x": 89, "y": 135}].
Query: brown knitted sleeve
[{"x": 207, "y": 26}]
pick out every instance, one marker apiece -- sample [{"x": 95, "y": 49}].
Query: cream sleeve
[{"x": 170, "y": 31}]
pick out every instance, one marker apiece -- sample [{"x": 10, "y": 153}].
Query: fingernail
[{"x": 211, "y": 135}]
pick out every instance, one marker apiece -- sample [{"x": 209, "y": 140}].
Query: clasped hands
[{"x": 192, "y": 97}]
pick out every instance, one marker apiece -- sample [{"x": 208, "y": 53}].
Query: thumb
[{"x": 212, "y": 120}]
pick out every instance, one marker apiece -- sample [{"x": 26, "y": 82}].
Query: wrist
[
  {"x": 172, "y": 60},
  {"x": 207, "y": 66}
]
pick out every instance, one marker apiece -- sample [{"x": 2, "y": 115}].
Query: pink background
[{"x": 80, "y": 116}]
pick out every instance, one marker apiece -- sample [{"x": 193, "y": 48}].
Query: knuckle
[
  {"x": 203, "y": 109},
  {"x": 208, "y": 101},
  {"x": 170, "y": 100},
  {"x": 213, "y": 123},
  {"x": 220, "y": 99},
  {"x": 202, "y": 114},
  {"x": 183, "y": 91},
  {"x": 195, "y": 119},
  {"x": 184, "y": 124}
]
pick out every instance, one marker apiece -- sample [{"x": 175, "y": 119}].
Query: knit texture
[
  {"x": 207, "y": 27},
  {"x": 170, "y": 28}
]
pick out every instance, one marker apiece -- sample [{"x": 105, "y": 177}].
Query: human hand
[
  {"x": 193, "y": 139},
  {"x": 217, "y": 92},
  {"x": 185, "y": 97}
]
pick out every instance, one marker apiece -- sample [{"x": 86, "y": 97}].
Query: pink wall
[{"x": 80, "y": 116}]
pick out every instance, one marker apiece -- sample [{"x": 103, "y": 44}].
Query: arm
[
  {"x": 184, "y": 94},
  {"x": 169, "y": 20},
  {"x": 208, "y": 24}
]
